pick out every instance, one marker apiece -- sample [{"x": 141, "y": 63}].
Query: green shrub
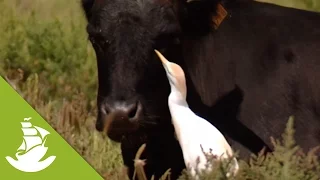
[{"x": 56, "y": 49}]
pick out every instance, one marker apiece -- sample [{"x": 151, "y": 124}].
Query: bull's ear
[
  {"x": 87, "y": 7},
  {"x": 201, "y": 15}
]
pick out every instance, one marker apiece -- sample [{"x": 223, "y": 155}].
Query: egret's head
[{"x": 175, "y": 75}]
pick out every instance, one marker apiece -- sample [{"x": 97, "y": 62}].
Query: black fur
[{"x": 247, "y": 77}]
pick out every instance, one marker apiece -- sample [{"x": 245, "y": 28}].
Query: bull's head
[{"x": 133, "y": 88}]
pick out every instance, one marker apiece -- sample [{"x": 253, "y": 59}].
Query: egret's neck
[
  {"x": 177, "y": 97},
  {"x": 180, "y": 112}
]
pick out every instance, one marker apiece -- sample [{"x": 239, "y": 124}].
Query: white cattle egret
[{"x": 195, "y": 134}]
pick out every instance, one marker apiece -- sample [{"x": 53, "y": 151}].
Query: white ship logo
[{"x": 32, "y": 149}]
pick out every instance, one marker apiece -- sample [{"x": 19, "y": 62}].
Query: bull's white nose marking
[{"x": 195, "y": 134}]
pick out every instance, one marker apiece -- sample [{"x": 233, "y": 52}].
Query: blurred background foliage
[
  {"x": 310, "y": 5},
  {"x": 47, "y": 58}
]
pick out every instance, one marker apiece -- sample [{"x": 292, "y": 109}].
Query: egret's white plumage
[{"x": 194, "y": 133}]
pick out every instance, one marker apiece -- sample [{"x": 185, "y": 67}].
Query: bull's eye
[
  {"x": 99, "y": 41},
  {"x": 106, "y": 42}
]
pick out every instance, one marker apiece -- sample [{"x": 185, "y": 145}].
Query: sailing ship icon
[{"x": 32, "y": 149}]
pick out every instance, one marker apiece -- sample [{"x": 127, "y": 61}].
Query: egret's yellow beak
[{"x": 162, "y": 58}]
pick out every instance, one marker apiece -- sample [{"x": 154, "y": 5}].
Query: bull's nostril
[
  {"x": 105, "y": 109},
  {"x": 133, "y": 111},
  {"x": 127, "y": 111}
]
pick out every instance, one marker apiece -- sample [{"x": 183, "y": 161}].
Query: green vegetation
[
  {"x": 45, "y": 55},
  {"x": 311, "y": 5}
]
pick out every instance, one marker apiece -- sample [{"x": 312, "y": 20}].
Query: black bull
[{"x": 246, "y": 77}]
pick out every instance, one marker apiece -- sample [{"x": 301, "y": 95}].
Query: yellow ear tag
[{"x": 219, "y": 17}]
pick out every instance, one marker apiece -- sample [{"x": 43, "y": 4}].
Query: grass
[
  {"x": 311, "y": 5},
  {"x": 47, "y": 58}
]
